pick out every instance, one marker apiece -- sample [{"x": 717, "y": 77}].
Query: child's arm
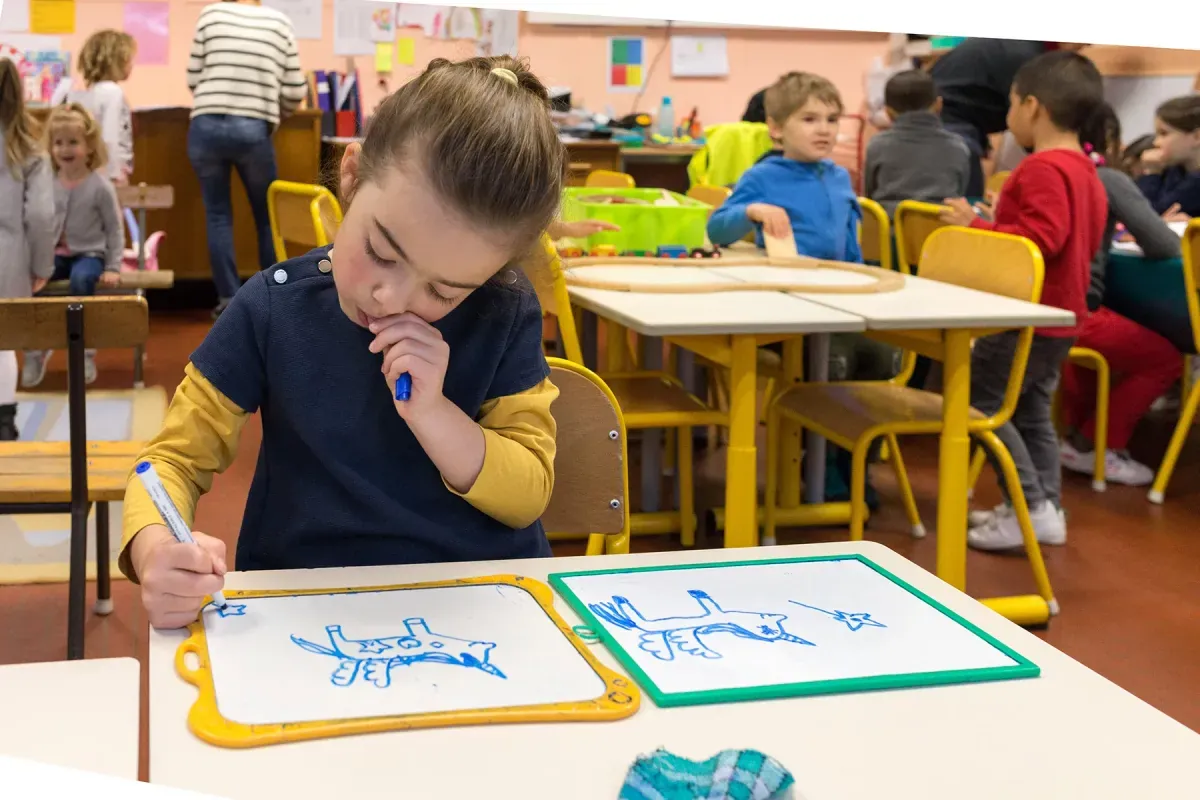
[
  {"x": 39, "y": 217},
  {"x": 1133, "y": 210},
  {"x": 731, "y": 220},
  {"x": 199, "y": 437},
  {"x": 1042, "y": 211},
  {"x": 114, "y": 228}
]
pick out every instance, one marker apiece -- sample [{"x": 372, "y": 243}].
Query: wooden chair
[
  {"x": 591, "y": 473},
  {"x": 648, "y": 400},
  {"x": 68, "y": 477},
  {"x": 303, "y": 214},
  {"x": 914, "y": 223},
  {"x": 854, "y": 414},
  {"x": 1187, "y": 409},
  {"x": 607, "y": 179}
]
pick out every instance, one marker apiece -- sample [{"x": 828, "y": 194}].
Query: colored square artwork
[{"x": 626, "y": 63}]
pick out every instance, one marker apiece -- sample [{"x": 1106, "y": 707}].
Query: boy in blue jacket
[{"x": 801, "y": 192}]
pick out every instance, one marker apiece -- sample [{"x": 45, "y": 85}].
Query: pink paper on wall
[{"x": 148, "y": 23}]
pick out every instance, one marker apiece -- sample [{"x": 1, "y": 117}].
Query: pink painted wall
[{"x": 574, "y": 57}]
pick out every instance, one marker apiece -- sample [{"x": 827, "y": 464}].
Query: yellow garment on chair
[{"x": 730, "y": 149}]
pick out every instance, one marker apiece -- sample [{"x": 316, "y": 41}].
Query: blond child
[
  {"x": 87, "y": 224},
  {"x": 105, "y": 61},
  {"x": 26, "y": 222}
]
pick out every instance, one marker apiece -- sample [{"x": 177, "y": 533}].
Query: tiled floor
[{"x": 1127, "y": 579}]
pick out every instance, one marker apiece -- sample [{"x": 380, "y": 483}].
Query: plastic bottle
[{"x": 666, "y": 119}]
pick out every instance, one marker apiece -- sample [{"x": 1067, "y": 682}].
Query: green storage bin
[{"x": 643, "y": 227}]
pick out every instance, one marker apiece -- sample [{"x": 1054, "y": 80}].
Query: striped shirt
[{"x": 245, "y": 63}]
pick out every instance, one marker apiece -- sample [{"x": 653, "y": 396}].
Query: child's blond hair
[
  {"x": 71, "y": 115},
  {"x": 789, "y": 94},
  {"x": 106, "y": 56},
  {"x": 20, "y": 142}
]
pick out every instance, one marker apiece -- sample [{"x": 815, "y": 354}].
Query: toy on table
[
  {"x": 672, "y": 251},
  {"x": 601, "y": 250},
  {"x": 728, "y": 774}
]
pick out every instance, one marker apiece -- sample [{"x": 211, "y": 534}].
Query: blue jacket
[
  {"x": 819, "y": 200},
  {"x": 1173, "y": 185}
]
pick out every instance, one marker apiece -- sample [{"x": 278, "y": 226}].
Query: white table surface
[
  {"x": 1067, "y": 734},
  {"x": 33, "y": 780},
  {"x": 82, "y": 714}
]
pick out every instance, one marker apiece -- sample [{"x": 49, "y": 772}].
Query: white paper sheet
[
  {"x": 304, "y": 14},
  {"x": 14, "y": 16},
  {"x": 352, "y": 28},
  {"x": 500, "y": 32},
  {"x": 699, "y": 57},
  {"x": 430, "y": 19},
  {"x": 371, "y": 654}
]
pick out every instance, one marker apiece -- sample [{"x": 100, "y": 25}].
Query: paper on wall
[
  {"x": 499, "y": 34},
  {"x": 463, "y": 23},
  {"x": 699, "y": 57},
  {"x": 383, "y": 23},
  {"x": 430, "y": 19},
  {"x": 352, "y": 28},
  {"x": 304, "y": 14},
  {"x": 14, "y": 15}
]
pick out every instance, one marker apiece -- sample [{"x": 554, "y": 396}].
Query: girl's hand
[
  {"x": 109, "y": 278},
  {"x": 1175, "y": 214},
  {"x": 774, "y": 220},
  {"x": 579, "y": 230},
  {"x": 1152, "y": 160},
  {"x": 410, "y": 344},
  {"x": 175, "y": 576},
  {"x": 39, "y": 284},
  {"x": 958, "y": 212},
  {"x": 985, "y": 211}
]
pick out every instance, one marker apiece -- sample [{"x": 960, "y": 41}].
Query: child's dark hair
[
  {"x": 480, "y": 133},
  {"x": 1066, "y": 84},
  {"x": 1181, "y": 113},
  {"x": 1101, "y": 136},
  {"x": 1132, "y": 155},
  {"x": 911, "y": 90}
]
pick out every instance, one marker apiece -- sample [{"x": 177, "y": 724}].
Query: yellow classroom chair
[
  {"x": 874, "y": 233},
  {"x": 303, "y": 214},
  {"x": 710, "y": 195},
  {"x": 996, "y": 181},
  {"x": 647, "y": 400},
  {"x": 1187, "y": 409},
  {"x": 607, "y": 179},
  {"x": 854, "y": 414},
  {"x": 914, "y": 223},
  {"x": 591, "y": 465}
]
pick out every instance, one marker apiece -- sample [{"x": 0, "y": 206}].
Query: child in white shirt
[{"x": 105, "y": 60}]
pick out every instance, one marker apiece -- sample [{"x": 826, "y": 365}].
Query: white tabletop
[
  {"x": 1068, "y": 733},
  {"x": 82, "y": 714},
  {"x": 33, "y": 780}
]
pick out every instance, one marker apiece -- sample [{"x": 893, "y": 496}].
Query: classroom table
[
  {"x": 81, "y": 714},
  {"x": 1067, "y": 733},
  {"x": 1151, "y": 293}
]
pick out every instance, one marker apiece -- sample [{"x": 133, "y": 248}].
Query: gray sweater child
[
  {"x": 27, "y": 224},
  {"x": 88, "y": 217},
  {"x": 915, "y": 159}
]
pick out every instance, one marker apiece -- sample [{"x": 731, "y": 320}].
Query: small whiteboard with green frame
[{"x": 735, "y": 631}]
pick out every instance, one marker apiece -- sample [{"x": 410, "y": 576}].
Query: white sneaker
[
  {"x": 34, "y": 371},
  {"x": 1074, "y": 460},
  {"x": 89, "y": 367},
  {"x": 1120, "y": 468},
  {"x": 981, "y": 519},
  {"x": 1049, "y": 525}
]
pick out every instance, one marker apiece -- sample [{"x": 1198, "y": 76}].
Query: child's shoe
[
  {"x": 34, "y": 370},
  {"x": 89, "y": 367},
  {"x": 8, "y": 423},
  {"x": 1004, "y": 533}
]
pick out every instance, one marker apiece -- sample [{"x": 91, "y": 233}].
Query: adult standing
[
  {"x": 245, "y": 77},
  {"x": 974, "y": 81}
]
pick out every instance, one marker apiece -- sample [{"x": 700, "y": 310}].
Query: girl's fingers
[
  {"x": 390, "y": 334},
  {"x": 430, "y": 354}
]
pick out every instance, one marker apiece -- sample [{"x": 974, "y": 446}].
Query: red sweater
[{"x": 1055, "y": 199}]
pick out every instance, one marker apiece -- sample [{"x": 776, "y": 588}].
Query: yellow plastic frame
[{"x": 620, "y": 699}]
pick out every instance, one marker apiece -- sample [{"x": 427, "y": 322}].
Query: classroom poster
[
  {"x": 699, "y": 57},
  {"x": 499, "y": 34},
  {"x": 462, "y": 23},
  {"x": 51, "y": 16},
  {"x": 14, "y": 15},
  {"x": 352, "y": 28},
  {"x": 304, "y": 14},
  {"x": 383, "y": 23},
  {"x": 149, "y": 25},
  {"x": 429, "y": 19},
  {"x": 626, "y": 63}
]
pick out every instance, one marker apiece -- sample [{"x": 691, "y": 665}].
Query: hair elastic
[{"x": 507, "y": 74}]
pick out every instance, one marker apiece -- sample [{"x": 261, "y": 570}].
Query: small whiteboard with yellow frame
[{"x": 280, "y": 666}]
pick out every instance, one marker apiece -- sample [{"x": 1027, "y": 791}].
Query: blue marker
[
  {"x": 170, "y": 514},
  {"x": 404, "y": 386}
]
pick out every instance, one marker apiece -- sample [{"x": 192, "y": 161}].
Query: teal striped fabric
[{"x": 729, "y": 775}]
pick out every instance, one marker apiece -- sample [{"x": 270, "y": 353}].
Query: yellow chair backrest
[
  {"x": 550, "y": 283},
  {"x": 914, "y": 222},
  {"x": 591, "y": 477},
  {"x": 604, "y": 178},
  {"x": 996, "y": 182},
  {"x": 711, "y": 195},
  {"x": 874, "y": 233},
  {"x": 998, "y": 263},
  {"x": 1191, "y": 275},
  {"x": 301, "y": 213}
]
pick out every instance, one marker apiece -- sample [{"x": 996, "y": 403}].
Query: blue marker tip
[
  {"x": 404, "y": 387},
  {"x": 142, "y": 467}
]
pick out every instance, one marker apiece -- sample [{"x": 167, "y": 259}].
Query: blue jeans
[
  {"x": 82, "y": 271},
  {"x": 217, "y": 144}
]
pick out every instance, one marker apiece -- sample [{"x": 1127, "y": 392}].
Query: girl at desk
[
  {"x": 1144, "y": 364},
  {"x": 459, "y": 175},
  {"x": 1171, "y": 168}
]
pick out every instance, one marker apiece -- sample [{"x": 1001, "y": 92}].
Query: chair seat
[
  {"x": 658, "y": 400},
  {"x": 844, "y": 412},
  {"x": 40, "y": 472}
]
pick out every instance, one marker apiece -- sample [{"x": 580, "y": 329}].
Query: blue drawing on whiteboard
[
  {"x": 665, "y": 636},
  {"x": 232, "y": 610},
  {"x": 853, "y": 621},
  {"x": 374, "y": 659}
]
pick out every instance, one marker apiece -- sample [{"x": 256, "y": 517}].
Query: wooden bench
[{"x": 68, "y": 477}]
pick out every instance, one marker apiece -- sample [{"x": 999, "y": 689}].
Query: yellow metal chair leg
[
  {"x": 858, "y": 488},
  {"x": 978, "y": 461},
  {"x": 772, "y": 492},
  {"x": 1100, "y": 440},
  {"x": 906, "y": 492},
  {"x": 1186, "y": 415},
  {"x": 1033, "y": 550},
  {"x": 596, "y": 544},
  {"x": 687, "y": 488}
]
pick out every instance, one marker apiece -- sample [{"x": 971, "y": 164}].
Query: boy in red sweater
[{"x": 1055, "y": 199}]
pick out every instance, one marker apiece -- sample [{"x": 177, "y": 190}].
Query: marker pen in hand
[
  {"x": 170, "y": 514},
  {"x": 404, "y": 387}
]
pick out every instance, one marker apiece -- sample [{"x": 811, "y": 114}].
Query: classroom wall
[{"x": 562, "y": 56}]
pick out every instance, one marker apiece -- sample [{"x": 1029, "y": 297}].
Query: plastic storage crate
[{"x": 644, "y": 226}]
